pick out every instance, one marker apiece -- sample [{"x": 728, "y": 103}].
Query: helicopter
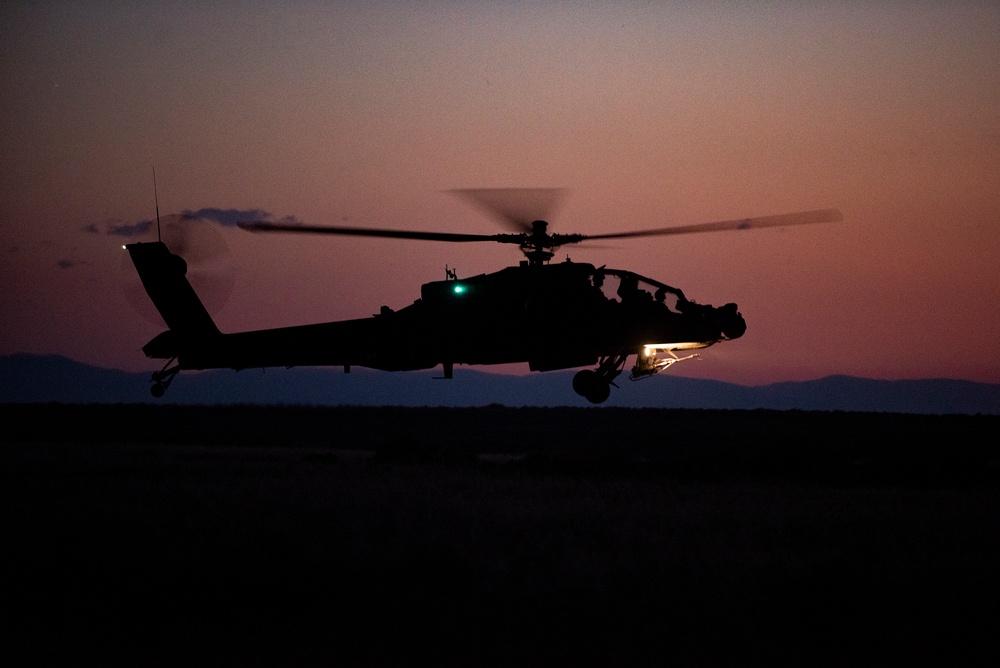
[{"x": 553, "y": 316}]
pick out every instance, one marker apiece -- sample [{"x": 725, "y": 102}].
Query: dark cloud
[
  {"x": 121, "y": 229},
  {"x": 229, "y": 217},
  {"x": 65, "y": 264},
  {"x": 223, "y": 217}
]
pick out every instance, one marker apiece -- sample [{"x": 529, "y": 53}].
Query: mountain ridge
[{"x": 26, "y": 378}]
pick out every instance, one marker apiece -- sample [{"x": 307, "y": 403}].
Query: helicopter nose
[{"x": 733, "y": 324}]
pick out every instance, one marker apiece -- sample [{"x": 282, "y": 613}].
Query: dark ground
[{"x": 142, "y": 535}]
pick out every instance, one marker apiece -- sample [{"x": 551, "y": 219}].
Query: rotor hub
[{"x": 538, "y": 244}]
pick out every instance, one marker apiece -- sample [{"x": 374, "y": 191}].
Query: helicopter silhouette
[{"x": 551, "y": 315}]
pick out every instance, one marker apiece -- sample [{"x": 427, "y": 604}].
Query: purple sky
[{"x": 651, "y": 114}]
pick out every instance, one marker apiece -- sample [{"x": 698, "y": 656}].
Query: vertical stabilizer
[{"x": 164, "y": 276}]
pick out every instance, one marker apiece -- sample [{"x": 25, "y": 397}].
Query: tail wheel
[{"x": 161, "y": 379}]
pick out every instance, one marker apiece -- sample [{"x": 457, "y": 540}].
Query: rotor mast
[{"x": 538, "y": 245}]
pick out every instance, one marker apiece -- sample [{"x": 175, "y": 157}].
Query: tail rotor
[{"x": 209, "y": 266}]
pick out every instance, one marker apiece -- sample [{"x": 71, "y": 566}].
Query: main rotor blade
[
  {"x": 366, "y": 232},
  {"x": 780, "y": 220},
  {"x": 517, "y": 208}
]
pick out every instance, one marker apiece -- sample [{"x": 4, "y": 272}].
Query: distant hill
[{"x": 36, "y": 378}]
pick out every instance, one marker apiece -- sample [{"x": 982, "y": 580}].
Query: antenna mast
[{"x": 156, "y": 203}]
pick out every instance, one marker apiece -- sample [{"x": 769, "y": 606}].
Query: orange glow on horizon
[{"x": 650, "y": 116}]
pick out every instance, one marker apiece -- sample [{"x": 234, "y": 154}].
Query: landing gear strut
[
  {"x": 648, "y": 362},
  {"x": 596, "y": 384},
  {"x": 161, "y": 379}
]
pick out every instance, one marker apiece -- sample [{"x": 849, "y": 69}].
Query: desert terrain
[{"x": 249, "y": 535}]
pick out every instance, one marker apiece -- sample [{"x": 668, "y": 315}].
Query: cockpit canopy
[{"x": 627, "y": 287}]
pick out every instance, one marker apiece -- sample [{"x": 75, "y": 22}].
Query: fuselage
[{"x": 550, "y": 316}]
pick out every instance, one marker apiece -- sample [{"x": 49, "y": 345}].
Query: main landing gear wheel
[{"x": 588, "y": 384}]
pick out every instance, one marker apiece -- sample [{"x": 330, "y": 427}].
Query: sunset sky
[{"x": 650, "y": 113}]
